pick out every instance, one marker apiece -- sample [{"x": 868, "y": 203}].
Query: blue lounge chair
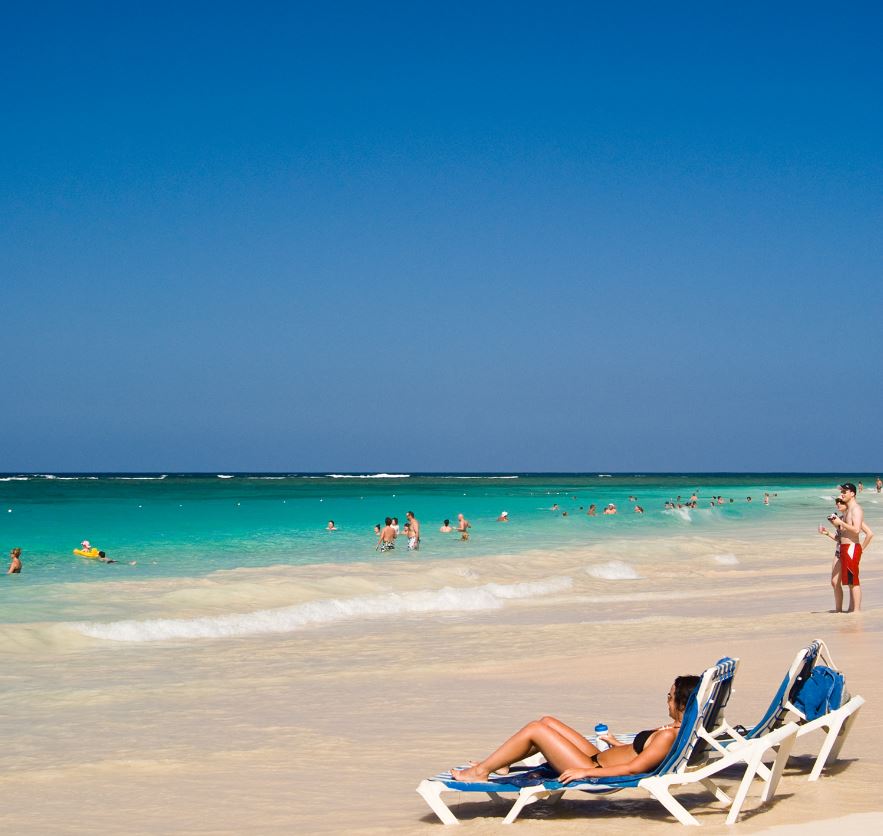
[
  {"x": 681, "y": 766},
  {"x": 837, "y": 723}
]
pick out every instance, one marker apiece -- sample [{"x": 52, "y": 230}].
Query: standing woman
[{"x": 15, "y": 562}]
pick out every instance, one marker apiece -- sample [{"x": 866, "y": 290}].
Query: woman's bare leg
[
  {"x": 837, "y": 584},
  {"x": 559, "y": 751},
  {"x": 572, "y": 735}
]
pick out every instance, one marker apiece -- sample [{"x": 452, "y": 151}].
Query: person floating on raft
[{"x": 88, "y": 551}]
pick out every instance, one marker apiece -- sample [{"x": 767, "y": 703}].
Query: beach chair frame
[
  {"x": 685, "y": 764},
  {"x": 837, "y": 724}
]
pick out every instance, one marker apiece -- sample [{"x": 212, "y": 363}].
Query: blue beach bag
[{"x": 821, "y": 693}]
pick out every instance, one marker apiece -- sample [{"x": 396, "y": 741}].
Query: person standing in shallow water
[
  {"x": 14, "y": 562},
  {"x": 850, "y": 529},
  {"x": 414, "y": 536},
  {"x": 463, "y": 526},
  {"x": 386, "y": 542}
]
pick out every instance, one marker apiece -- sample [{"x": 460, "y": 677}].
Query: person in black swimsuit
[{"x": 575, "y": 757}]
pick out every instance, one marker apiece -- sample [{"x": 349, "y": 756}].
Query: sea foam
[
  {"x": 328, "y": 611},
  {"x": 726, "y": 559},
  {"x": 368, "y": 476},
  {"x": 614, "y": 570},
  {"x": 139, "y": 478},
  {"x": 476, "y": 477}
]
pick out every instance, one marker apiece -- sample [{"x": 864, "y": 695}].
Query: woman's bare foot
[
  {"x": 473, "y": 773},
  {"x": 503, "y": 770}
]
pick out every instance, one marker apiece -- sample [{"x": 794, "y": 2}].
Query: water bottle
[{"x": 601, "y": 745}]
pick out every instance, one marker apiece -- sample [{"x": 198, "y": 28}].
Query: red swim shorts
[{"x": 850, "y": 556}]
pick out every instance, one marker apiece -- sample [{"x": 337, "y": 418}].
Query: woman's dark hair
[{"x": 684, "y": 686}]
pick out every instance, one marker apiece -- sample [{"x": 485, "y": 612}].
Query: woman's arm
[
  {"x": 653, "y": 755},
  {"x": 869, "y": 535}
]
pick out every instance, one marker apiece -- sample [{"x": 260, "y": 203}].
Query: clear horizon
[{"x": 330, "y": 473}]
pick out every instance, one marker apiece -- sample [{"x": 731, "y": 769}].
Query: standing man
[
  {"x": 463, "y": 526},
  {"x": 387, "y": 539},
  {"x": 414, "y": 539},
  {"x": 850, "y": 528}
]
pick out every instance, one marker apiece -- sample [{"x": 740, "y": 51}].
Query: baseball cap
[{"x": 848, "y": 486}]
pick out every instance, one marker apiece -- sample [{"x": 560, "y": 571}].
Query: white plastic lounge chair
[
  {"x": 837, "y": 723},
  {"x": 703, "y": 708}
]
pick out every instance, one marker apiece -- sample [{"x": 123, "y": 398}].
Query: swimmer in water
[{"x": 14, "y": 562}]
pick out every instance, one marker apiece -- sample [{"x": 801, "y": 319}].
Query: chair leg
[
  {"x": 658, "y": 788},
  {"x": 744, "y": 786},
  {"x": 715, "y": 790},
  {"x": 851, "y": 709},
  {"x": 431, "y": 792},
  {"x": 781, "y": 761},
  {"x": 528, "y": 795},
  {"x": 763, "y": 772},
  {"x": 554, "y": 797},
  {"x": 780, "y": 741}
]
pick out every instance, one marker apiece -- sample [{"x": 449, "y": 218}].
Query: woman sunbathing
[{"x": 574, "y": 757}]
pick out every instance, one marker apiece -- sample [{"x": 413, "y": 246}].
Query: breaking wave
[
  {"x": 368, "y": 476},
  {"x": 328, "y": 611},
  {"x": 139, "y": 478}
]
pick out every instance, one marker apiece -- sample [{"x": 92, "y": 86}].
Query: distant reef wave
[{"x": 368, "y": 476}]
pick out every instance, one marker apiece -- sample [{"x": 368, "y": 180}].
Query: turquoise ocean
[{"x": 193, "y": 525}]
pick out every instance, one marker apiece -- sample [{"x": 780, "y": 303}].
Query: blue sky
[{"x": 441, "y": 236}]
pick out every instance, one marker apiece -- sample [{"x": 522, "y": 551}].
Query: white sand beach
[{"x": 329, "y": 728}]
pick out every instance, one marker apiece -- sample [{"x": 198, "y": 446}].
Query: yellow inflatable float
[{"x": 92, "y": 554}]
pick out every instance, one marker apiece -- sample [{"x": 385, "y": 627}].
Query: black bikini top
[{"x": 640, "y": 740}]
